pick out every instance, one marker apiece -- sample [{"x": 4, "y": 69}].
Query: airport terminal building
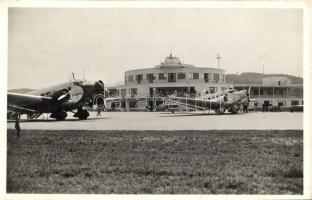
[
  {"x": 275, "y": 91},
  {"x": 170, "y": 77},
  {"x": 174, "y": 77}
]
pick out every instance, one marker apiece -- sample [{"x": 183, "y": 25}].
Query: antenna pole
[
  {"x": 218, "y": 58},
  {"x": 73, "y": 75}
]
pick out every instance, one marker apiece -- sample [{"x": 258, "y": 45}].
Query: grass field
[{"x": 167, "y": 162}]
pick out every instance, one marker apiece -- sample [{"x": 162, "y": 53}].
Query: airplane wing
[
  {"x": 25, "y": 99},
  {"x": 26, "y": 103},
  {"x": 197, "y": 103}
]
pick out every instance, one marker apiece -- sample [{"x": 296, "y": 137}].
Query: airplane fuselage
[{"x": 57, "y": 99}]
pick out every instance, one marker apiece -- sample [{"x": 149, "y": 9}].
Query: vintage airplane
[
  {"x": 217, "y": 94},
  {"x": 230, "y": 101},
  {"x": 59, "y": 99}
]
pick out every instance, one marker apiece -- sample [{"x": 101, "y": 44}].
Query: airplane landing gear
[
  {"x": 219, "y": 111},
  {"x": 82, "y": 114},
  {"x": 59, "y": 116},
  {"x": 234, "y": 109}
]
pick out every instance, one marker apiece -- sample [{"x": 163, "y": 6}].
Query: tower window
[
  {"x": 195, "y": 76},
  {"x": 181, "y": 75},
  {"x": 172, "y": 77},
  {"x": 216, "y": 78},
  {"x": 162, "y": 76}
]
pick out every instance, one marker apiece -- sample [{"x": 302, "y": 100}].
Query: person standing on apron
[{"x": 17, "y": 126}]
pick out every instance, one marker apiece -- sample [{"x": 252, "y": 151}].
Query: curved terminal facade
[
  {"x": 171, "y": 77},
  {"x": 174, "y": 77}
]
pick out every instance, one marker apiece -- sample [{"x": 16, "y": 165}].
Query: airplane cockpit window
[
  {"x": 75, "y": 83},
  {"x": 80, "y": 82},
  {"x": 42, "y": 94}
]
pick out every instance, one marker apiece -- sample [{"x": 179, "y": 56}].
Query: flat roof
[{"x": 175, "y": 67}]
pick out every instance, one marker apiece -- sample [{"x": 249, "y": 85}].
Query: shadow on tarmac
[
  {"x": 53, "y": 120},
  {"x": 181, "y": 114}
]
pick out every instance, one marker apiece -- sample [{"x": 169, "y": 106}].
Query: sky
[{"x": 45, "y": 45}]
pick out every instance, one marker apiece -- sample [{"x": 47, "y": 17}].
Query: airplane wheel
[
  {"x": 61, "y": 116},
  {"x": 60, "y": 119},
  {"x": 83, "y": 115},
  {"x": 234, "y": 110}
]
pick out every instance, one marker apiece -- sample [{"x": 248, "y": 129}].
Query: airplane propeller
[
  {"x": 64, "y": 96},
  {"x": 98, "y": 100},
  {"x": 99, "y": 86},
  {"x": 248, "y": 94}
]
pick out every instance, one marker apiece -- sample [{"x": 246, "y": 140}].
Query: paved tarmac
[{"x": 169, "y": 121}]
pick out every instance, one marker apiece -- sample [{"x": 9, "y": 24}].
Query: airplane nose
[{"x": 99, "y": 87}]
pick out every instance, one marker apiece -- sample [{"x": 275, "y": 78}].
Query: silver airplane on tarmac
[
  {"x": 59, "y": 99},
  {"x": 230, "y": 101}
]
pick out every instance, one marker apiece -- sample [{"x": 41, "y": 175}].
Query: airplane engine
[
  {"x": 99, "y": 102},
  {"x": 99, "y": 87}
]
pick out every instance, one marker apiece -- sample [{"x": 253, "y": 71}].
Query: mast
[{"x": 218, "y": 58}]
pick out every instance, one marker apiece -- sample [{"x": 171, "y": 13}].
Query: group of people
[{"x": 270, "y": 108}]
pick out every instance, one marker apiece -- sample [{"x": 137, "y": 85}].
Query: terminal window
[
  {"x": 216, "y": 78},
  {"x": 139, "y": 78},
  {"x": 181, "y": 75},
  {"x": 133, "y": 91},
  {"x": 279, "y": 91},
  {"x": 150, "y": 78},
  {"x": 206, "y": 77},
  {"x": 162, "y": 76},
  {"x": 261, "y": 91},
  {"x": 270, "y": 91},
  {"x": 195, "y": 76},
  {"x": 130, "y": 78},
  {"x": 212, "y": 90},
  {"x": 221, "y": 77},
  {"x": 281, "y": 103},
  {"x": 172, "y": 77},
  {"x": 255, "y": 91},
  {"x": 123, "y": 92}
]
